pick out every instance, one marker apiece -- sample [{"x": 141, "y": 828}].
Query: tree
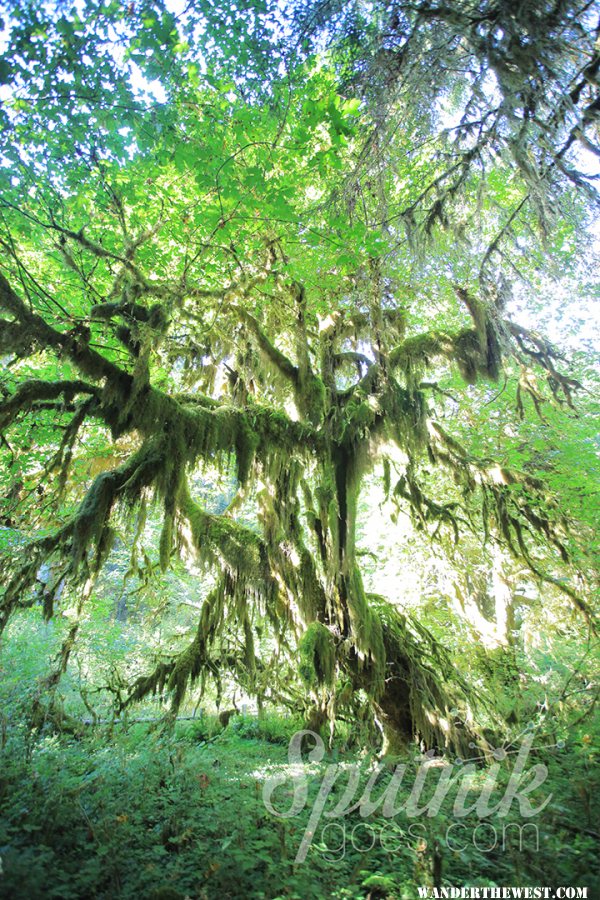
[{"x": 280, "y": 276}]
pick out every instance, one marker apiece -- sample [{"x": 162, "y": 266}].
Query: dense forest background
[{"x": 297, "y": 431}]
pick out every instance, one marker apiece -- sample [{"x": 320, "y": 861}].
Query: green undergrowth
[{"x": 139, "y": 812}]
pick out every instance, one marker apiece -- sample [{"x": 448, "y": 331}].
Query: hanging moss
[
  {"x": 166, "y": 543},
  {"x": 87, "y": 537},
  {"x": 311, "y": 594},
  {"x": 406, "y": 417},
  {"x": 415, "y": 354},
  {"x": 220, "y": 537},
  {"x": 91, "y": 519},
  {"x": 185, "y": 669},
  {"x": 367, "y": 634},
  {"x": 249, "y": 652},
  {"x": 423, "y": 689},
  {"x": 473, "y": 360},
  {"x": 152, "y": 683},
  {"x": 477, "y": 351},
  {"x": 246, "y": 444},
  {"x": 311, "y": 395},
  {"x": 317, "y": 658},
  {"x": 176, "y": 674}
]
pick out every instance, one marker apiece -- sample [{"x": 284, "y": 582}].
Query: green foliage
[
  {"x": 146, "y": 813},
  {"x": 271, "y": 728},
  {"x": 240, "y": 279}
]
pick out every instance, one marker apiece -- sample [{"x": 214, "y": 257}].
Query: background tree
[{"x": 281, "y": 277}]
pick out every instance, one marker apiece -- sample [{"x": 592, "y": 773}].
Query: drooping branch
[
  {"x": 360, "y": 360},
  {"x": 29, "y": 393},
  {"x": 543, "y": 353},
  {"x": 423, "y": 509},
  {"x": 273, "y": 354},
  {"x": 511, "y": 501},
  {"x": 204, "y": 430},
  {"x": 175, "y": 674}
]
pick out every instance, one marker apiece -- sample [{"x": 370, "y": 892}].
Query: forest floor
[{"x": 138, "y": 812}]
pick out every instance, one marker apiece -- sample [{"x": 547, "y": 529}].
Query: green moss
[
  {"x": 166, "y": 543},
  {"x": 217, "y": 537},
  {"x": 414, "y": 355},
  {"x": 311, "y": 595},
  {"x": 311, "y": 396},
  {"x": 422, "y": 686},
  {"x": 246, "y": 444},
  {"x": 367, "y": 633},
  {"x": 176, "y": 674},
  {"x": 317, "y": 657}
]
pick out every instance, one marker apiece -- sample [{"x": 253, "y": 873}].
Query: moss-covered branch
[
  {"x": 32, "y": 331},
  {"x": 85, "y": 540},
  {"x": 31, "y": 392},
  {"x": 223, "y": 540},
  {"x": 275, "y": 356}
]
